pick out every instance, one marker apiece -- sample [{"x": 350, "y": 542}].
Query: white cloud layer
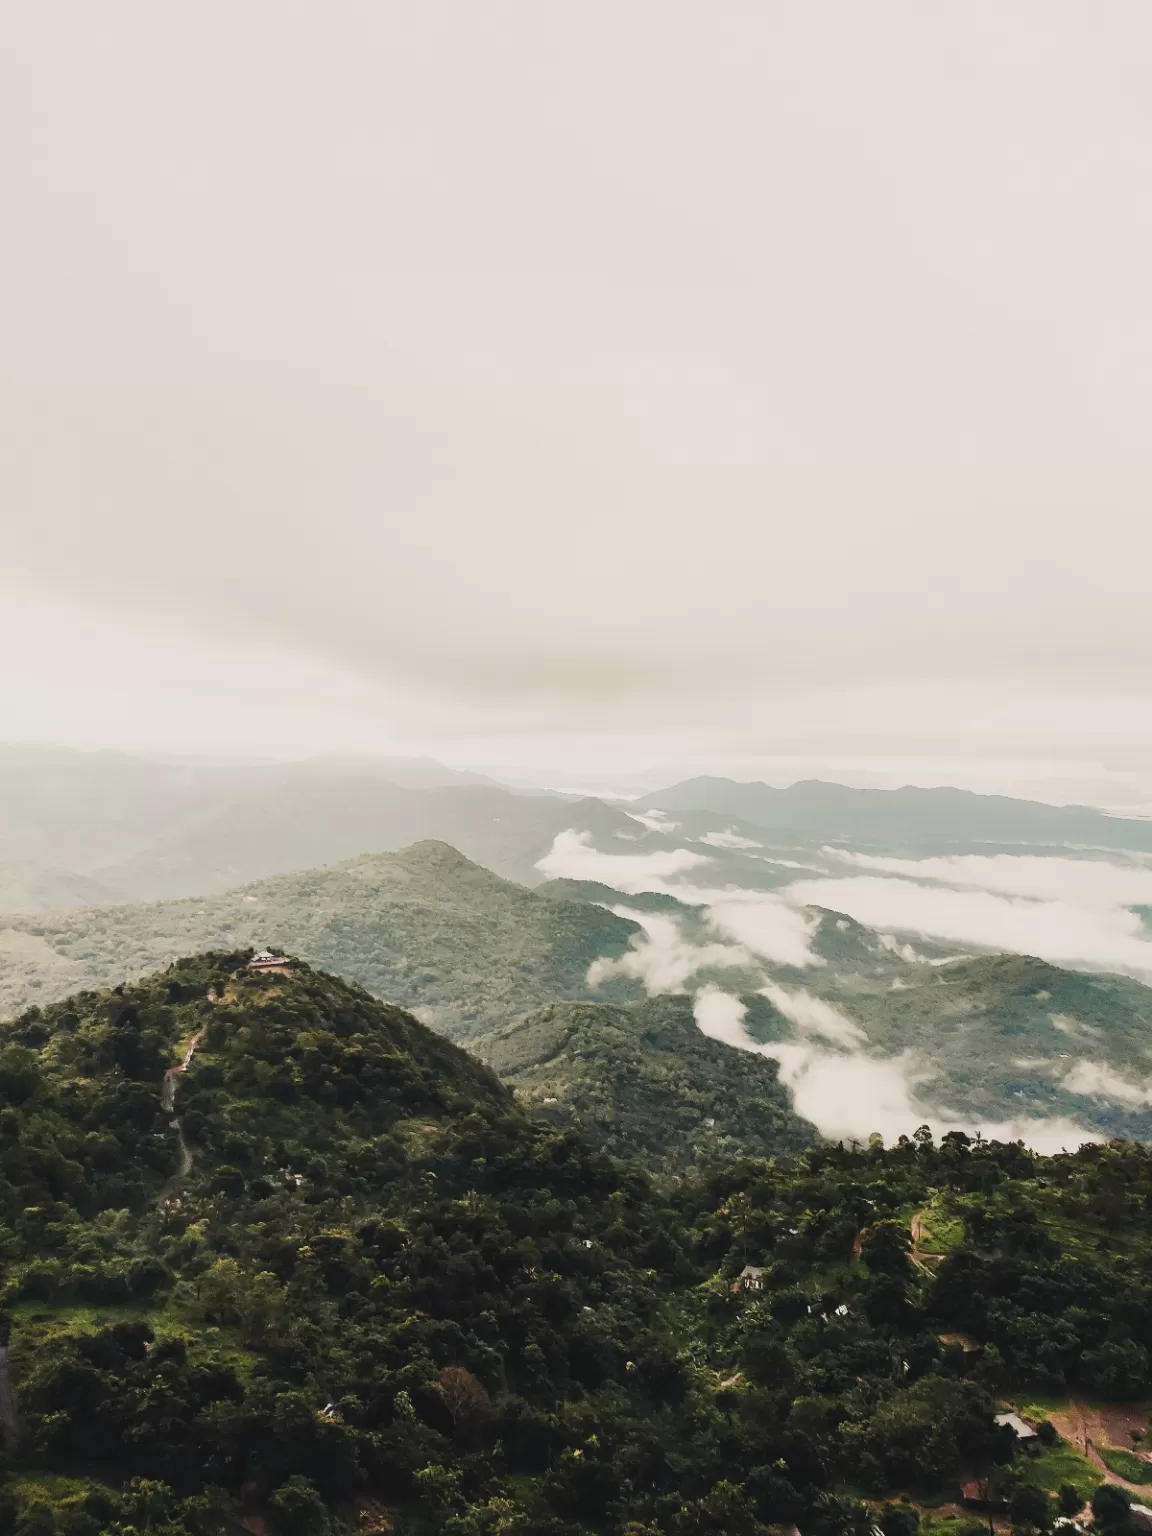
[
  {"x": 662, "y": 959},
  {"x": 1082, "y": 882},
  {"x": 812, "y": 1016},
  {"x": 1094, "y": 1080},
  {"x": 728, "y": 839},
  {"x": 851, "y": 1094},
  {"x": 573, "y": 856},
  {"x": 1094, "y": 937}
]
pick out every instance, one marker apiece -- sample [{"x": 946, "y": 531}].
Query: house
[
  {"x": 1141, "y": 1517},
  {"x": 751, "y": 1278},
  {"x": 1024, "y": 1433},
  {"x": 265, "y": 960}
]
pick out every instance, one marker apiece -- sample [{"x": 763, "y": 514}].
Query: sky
[{"x": 629, "y": 389}]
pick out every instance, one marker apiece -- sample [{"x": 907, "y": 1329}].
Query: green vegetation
[
  {"x": 1131, "y": 1468},
  {"x": 425, "y": 928},
  {"x": 383, "y": 1297},
  {"x": 1058, "y": 1466},
  {"x": 642, "y": 1082}
]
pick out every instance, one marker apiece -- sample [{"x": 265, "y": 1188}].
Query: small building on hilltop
[
  {"x": 265, "y": 960},
  {"x": 751, "y": 1278}
]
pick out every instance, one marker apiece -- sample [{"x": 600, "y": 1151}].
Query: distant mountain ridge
[
  {"x": 79, "y": 828},
  {"x": 938, "y": 819}
]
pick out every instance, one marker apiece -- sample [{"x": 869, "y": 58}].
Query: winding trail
[{"x": 168, "y": 1103}]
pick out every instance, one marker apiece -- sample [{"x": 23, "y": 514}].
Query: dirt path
[
  {"x": 922, "y": 1261},
  {"x": 168, "y": 1102},
  {"x": 1078, "y": 1424}
]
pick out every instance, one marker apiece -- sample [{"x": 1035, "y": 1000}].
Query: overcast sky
[{"x": 614, "y": 382}]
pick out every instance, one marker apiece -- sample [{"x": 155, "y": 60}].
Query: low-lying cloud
[
  {"x": 812, "y": 1016},
  {"x": 574, "y": 856},
  {"x": 662, "y": 958},
  {"x": 1093, "y": 937},
  {"x": 1081, "y": 882},
  {"x": 851, "y": 1094},
  {"x": 763, "y": 922},
  {"x": 654, "y": 821},
  {"x": 1092, "y": 1079},
  {"x": 728, "y": 839}
]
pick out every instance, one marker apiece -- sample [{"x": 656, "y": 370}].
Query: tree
[
  {"x": 298, "y": 1510},
  {"x": 900, "y": 1520},
  {"x": 464, "y": 1397},
  {"x": 1070, "y": 1499},
  {"x": 1110, "y": 1507},
  {"x": 1030, "y": 1508}
]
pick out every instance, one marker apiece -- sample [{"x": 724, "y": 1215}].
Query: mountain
[
  {"x": 643, "y": 1083},
  {"x": 276, "y": 1257},
  {"x": 301, "y": 820},
  {"x": 83, "y": 827},
  {"x": 914, "y": 819},
  {"x": 425, "y": 928},
  {"x": 26, "y": 887}
]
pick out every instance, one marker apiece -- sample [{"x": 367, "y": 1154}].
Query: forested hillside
[
  {"x": 425, "y": 928},
  {"x": 331, "y": 1277},
  {"x": 642, "y": 1082}
]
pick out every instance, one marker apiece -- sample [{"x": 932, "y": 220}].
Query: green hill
[
  {"x": 642, "y": 1082},
  {"x": 331, "y": 1279},
  {"x": 424, "y": 928}
]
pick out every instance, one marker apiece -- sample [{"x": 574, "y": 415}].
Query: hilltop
[{"x": 425, "y": 928}]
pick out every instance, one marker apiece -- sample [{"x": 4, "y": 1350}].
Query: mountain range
[
  {"x": 987, "y": 1039},
  {"x": 104, "y": 827}
]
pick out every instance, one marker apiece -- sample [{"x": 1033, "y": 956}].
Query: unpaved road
[
  {"x": 1080, "y": 1425},
  {"x": 168, "y": 1101}
]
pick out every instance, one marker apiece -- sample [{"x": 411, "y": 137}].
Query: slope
[
  {"x": 364, "y": 1221},
  {"x": 642, "y": 1082},
  {"x": 425, "y": 928}
]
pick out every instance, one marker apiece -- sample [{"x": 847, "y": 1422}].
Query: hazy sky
[{"x": 615, "y": 382}]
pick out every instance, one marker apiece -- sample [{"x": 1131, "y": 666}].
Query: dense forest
[{"x": 333, "y": 1277}]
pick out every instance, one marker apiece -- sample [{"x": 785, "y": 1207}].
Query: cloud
[
  {"x": 812, "y": 1016},
  {"x": 1081, "y": 882},
  {"x": 851, "y": 1095},
  {"x": 662, "y": 958},
  {"x": 766, "y": 925},
  {"x": 1094, "y": 1080},
  {"x": 1093, "y": 937},
  {"x": 728, "y": 839},
  {"x": 574, "y": 856},
  {"x": 762, "y": 921},
  {"x": 654, "y": 821}
]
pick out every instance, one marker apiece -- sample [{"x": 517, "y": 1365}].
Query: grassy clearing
[
  {"x": 942, "y": 1228},
  {"x": 1126, "y": 1465},
  {"x": 951, "y": 1525},
  {"x": 1059, "y": 1464}
]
